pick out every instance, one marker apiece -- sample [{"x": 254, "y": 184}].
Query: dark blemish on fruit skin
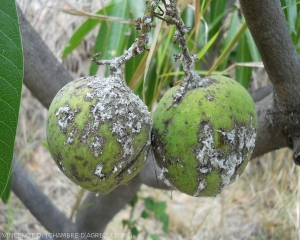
[
  {"x": 59, "y": 157},
  {"x": 158, "y": 145},
  {"x": 168, "y": 121},
  {"x": 85, "y": 163},
  {"x": 58, "y": 162},
  {"x": 76, "y": 175},
  {"x": 130, "y": 164},
  {"x": 74, "y": 170},
  {"x": 221, "y": 140},
  {"x": 139, "y": 121}
]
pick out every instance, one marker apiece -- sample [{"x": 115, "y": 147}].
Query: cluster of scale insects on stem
[{"x": 171, "y": 15}]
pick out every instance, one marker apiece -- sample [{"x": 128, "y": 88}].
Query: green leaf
[
  {"x": 111, "y": 36},
  {"x": 132, "y": 65},
  {"x": 83, "y": 30},
  {"x": 152, "y": 82},
  {"x": 154, "y": 237},
  {"x": 217, "y": 8},
  {"x": 145, "y": 214},
  {"x": 125, "y": 223},
  {"x": 11, "y": 76},
  {"x": 255, "y": 56},
  {"x": 149, "y": 203},
  {"x": 243, "y": 74},
  {"x": 296, "y": 36},
  {"x": 233, "y": 27},
  {"x": 137, "y": 8},
  {"x": 100, "y": 43},
  {"x": 133, "y": 201},
  {"x": 207, "y": 46},
  {"x": 134, "y": 231},
  {"x": 6, "y": 193},
  {"x": 291, "y": 15},
  {"x": 159, "y": 208},
  {"x": 228, "y": 48},
  {"x": 188, "y": 17},
  {"x": 217, "y": 20},
  {"x": 164, "y": 219}
]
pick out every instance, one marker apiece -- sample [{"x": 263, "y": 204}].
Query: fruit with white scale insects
[
  {"x": 98, "y": 132},
  {"x": 204, "y": 142}
]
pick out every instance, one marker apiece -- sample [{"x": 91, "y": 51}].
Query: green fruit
[
  {"x": 204, "y": 141},
  {"x": 98, "y": 132}
]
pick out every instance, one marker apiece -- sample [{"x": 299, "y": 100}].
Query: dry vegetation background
[{"x": 262, "y": 204}]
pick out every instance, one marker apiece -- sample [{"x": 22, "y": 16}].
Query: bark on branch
[
  {"x": 44, "y": 75},
  {"x": 267, "y": 24},
  {"x": 39, "y": 204},
  {"x": 268, "y": 27}
]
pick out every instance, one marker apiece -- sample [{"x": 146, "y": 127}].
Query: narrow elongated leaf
[
  {"x": 164, "y": 218},
  {"x": 132, "y": 65},
  {"x": 83, "y": 30},
  {"x": 162, "y": 55},
  {"x": 243, "y": 74},
  {"x": 151, "y": 51},
  {"x": 100, "y": 44},
  {"x": 255, "y": 56},
  {"x": 217, "y": 20},
  {"x": 233, "y": 27},
  {"x": 228, "y": 48},
  {"x": 188, "y": 17},
  {"x": 296, "y": 37},
  {"x": 152, "y": 80},
  {"x": 207, "y": 46},
  {"x": 137, "y": 8},
  {"x": 11, "y": 76},
  {"x": 217, "y": 8},
  {"x": 291, "y": 15},
  {"x": 111, "y": 36}
]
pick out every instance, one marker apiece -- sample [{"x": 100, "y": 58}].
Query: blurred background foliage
[{"x": 218, "y": 35}]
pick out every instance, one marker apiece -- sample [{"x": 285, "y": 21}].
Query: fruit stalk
[
  {"x": 188, "y": 60},
  {"x": 144, "y": 25}
]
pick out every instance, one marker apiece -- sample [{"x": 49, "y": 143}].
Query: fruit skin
[
  {"x": 98, "y": 132},
  {"x": 204, "y": 142}
]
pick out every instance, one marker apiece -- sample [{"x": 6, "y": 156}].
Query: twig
[
  {"x": 39, "y": 204},
  {"x": 138, "y": 46},
  {"x": 188, "y": 60}
]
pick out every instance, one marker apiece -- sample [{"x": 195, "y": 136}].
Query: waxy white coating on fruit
[
  {"x": 98, "y": 132},
  {"x": 207, "y": 153},
  {"x": 205, "y": 139}
]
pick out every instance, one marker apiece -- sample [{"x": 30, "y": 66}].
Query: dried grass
[{"x": 262, "y": 204}]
